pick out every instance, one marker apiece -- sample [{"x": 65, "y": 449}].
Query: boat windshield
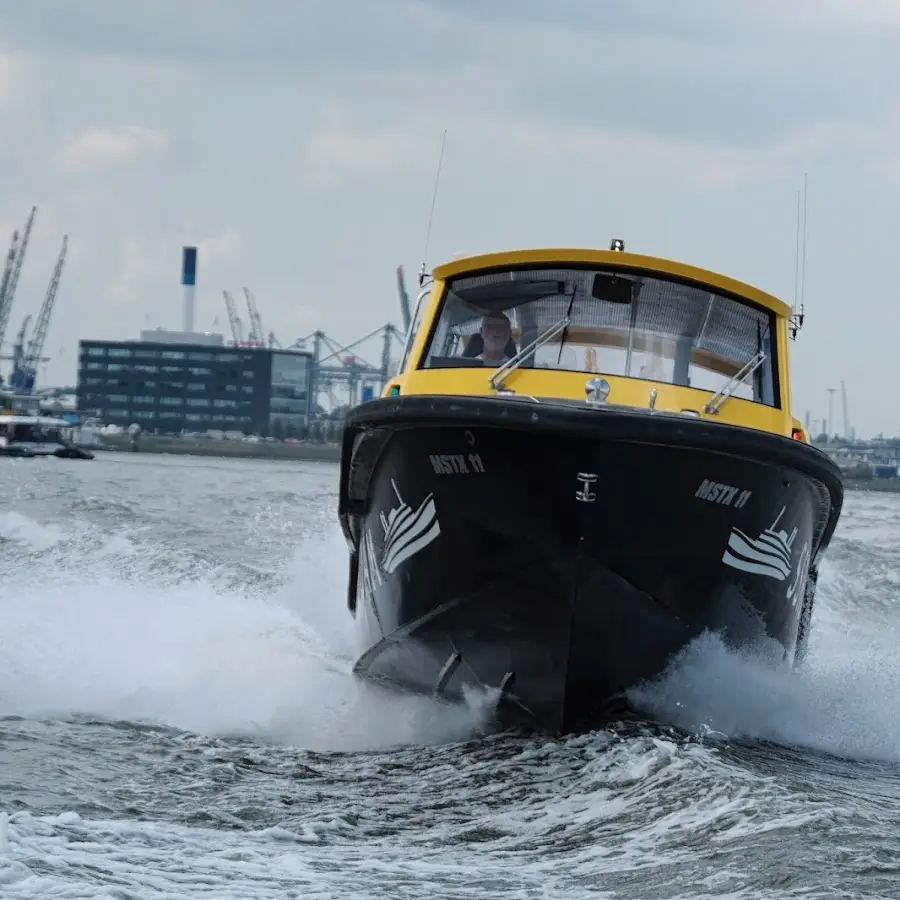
[
  {"x": 652, "y": 327},
  {"x": 37, "y": 433}
]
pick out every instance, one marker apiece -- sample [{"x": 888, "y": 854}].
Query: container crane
[
  {"x": 25, "y": 374},
  {"x": 256, "y": 326},
  {"x": 5, "y": 297},
  {"x": 18, "y": 354},
  {"x": 237, "y": 326},
  {"x": 14, "y": 261},
  {"x": 342, "y": 367}
]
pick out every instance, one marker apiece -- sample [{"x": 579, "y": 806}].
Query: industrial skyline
[
  {"x": 344, "y": 375},
  {"x": 341, "y": 374},
  {"x": 303, "y": 168}
]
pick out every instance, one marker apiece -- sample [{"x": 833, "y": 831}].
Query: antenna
[
  {"x": 437, "y": 180},
  {"x": 797, "y": 257},
  {"x": 797, "y": 312},
  {"x": 803, "y": 263}
]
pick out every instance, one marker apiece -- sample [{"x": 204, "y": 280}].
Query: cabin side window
[
  {"x": 415, "y": 323},
  {"x": 619, "y": 323}
]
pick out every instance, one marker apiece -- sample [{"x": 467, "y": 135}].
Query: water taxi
[
  {"x": 31, "y": 436},
  {"x": 586, "y": 459}
]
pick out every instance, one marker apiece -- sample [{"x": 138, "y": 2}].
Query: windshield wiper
[
  {"x": 714, "y": 404},
  {"x": 500, "y": 374}
]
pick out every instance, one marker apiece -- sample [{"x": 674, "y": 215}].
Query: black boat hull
[
  {"x": 562, "y": 554},
  {"x": 18, "y": 451}
]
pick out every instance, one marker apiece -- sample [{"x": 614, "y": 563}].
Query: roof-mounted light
[{"x": 617, "y": 244}]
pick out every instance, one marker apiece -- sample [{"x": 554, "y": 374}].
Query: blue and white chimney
[{"x": 189, "y": 283}]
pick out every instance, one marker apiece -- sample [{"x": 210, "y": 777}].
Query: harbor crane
[
  {"x": 237, "y": 326},
  {"x": 256, "y": 337},
  {"x": 256, "y": 326},
  {"x": 11, "y": 272},
  {"x": 333, "y": 364},
  {"x": 18, "y": 354},
  {"x": 24, "y": 374},
  {"x": 5, "y": 298}
]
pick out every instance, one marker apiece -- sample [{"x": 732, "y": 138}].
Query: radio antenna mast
[
  {"x": 422, "y": 271},
  {"x": 797, "y": 256},
  {"x": 797, "y": 311}
]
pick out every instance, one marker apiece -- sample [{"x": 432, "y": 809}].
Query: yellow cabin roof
[{"x": 614, "y": 258}]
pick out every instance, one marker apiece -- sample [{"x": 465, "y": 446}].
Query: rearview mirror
[{"x": 612, "y": 288}]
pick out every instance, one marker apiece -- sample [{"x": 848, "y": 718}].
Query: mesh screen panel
[{"x": 661, "y": 307}]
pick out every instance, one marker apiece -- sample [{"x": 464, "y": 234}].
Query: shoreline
[
  {"x": 873, "y": 485},
  {"x": 330, "y": 453},
  {"x": 121, "y": 443}
]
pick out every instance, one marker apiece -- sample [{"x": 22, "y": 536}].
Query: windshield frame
[{"x": 772, "y": 345}]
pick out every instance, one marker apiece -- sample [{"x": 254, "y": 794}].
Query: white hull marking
[
  {"x": 406, "y": 533},
  {"x": 769, "y": 554}
]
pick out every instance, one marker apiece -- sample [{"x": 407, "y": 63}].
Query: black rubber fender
[
  {"x": 803, "y": 629},
  {"x": 351, "y": 582}
]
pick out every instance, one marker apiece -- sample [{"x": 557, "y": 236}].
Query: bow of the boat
[{"x": 556, "y": 556}]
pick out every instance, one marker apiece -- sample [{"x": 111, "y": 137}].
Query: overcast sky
[{"x": 296, "y": 142}]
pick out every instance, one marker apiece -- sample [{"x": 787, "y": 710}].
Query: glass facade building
[{"x": 172, "y": 387}]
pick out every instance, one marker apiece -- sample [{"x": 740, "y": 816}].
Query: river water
[{"x": 177, "y": 720}]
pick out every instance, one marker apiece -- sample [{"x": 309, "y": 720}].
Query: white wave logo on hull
[
  {"x": 406, "y": 533},
  {"x": 769, "y": 554}
]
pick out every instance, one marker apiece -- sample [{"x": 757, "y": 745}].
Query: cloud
[
  {"x": 145, "y": 263},
  {"x": 855, "y": 15},
  {"x": 295, "y": 143},
  {"x": 696, "y": 22},
  {"x": 309, "y": 35},
  {"x": 640, "y": 66},
  {"x": 97, "y": 147},
  {"x": 730, "y": 76},
  {"x": 13, "y": 80},
  {"x": 398, "y": 34},
  {"x": 333, "y": 152},
  {"x": 141, "y": 260},
  {"x": 221, "y": 248}
]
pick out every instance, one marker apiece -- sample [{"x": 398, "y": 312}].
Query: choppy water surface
[{"x": 177, "y": 720}]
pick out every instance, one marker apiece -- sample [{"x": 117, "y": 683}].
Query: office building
[{"x": 168, "y": 385}]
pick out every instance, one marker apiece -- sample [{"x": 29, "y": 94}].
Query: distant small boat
[
  {"x": 586, "y": 459},
  {"x": 29, "y": 436}
]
